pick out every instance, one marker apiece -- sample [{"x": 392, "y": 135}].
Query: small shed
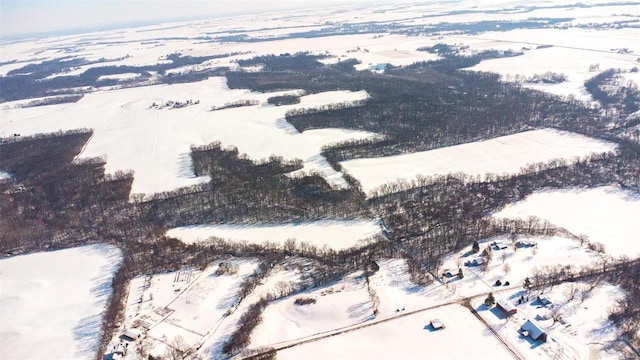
[
  {"x": 531, "y": 329},
  {"x": 498, "y": 245},
  {"x": 506, "y": 307},
  {"x": 120, "y": 349},
  {"x": 130, "y": 335},
  {"x": 436, "y": 324}
]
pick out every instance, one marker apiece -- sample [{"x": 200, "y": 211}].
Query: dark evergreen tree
[{"x": 490, "y": 300}]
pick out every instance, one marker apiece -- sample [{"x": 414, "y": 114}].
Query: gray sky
[{"x": 20, "y": 17}]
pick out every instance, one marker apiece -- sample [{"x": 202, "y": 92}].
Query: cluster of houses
[
  {"x": 174, "y": 104},
  {"x": 529, "y": 328},
  {"x": 120, "y": 350}
]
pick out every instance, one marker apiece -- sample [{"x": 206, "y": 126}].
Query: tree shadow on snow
[
  {"x": 414, "y": 289},
  {"x": 227, "y": 302},
  {"x": 359, "y": 310},
  {"x": 498, "y": 313},
  {"x": 283, "y": 124},
  {"x": 86, "y": 335},
  {"x": 534, "y": 344},
  {"x": 185, "y": 166},
  {"x": 430, "y": 328}
]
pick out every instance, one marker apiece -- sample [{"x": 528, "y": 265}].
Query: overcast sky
[{"x": 20, "y": 17}]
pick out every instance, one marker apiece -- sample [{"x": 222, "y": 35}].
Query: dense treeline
[
  {"x": 420, "y": 107},
  {"x": 249, "y": 320},
  {"x": 52, "y": 201},
  {"x": 27, "y": 158},
  {"x": 626, "y": 313},
  {"x": 33, "y": 80},
  {"x": 612, "y": 90},
  {"x": 304, "y": 72},
  {"x": 285, "y": 63},
  {"x": 244, "y": 191},
  {"x": 453, "y": 58},
  {"x": 283, "y": 100}
]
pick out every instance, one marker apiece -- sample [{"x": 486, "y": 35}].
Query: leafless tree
[
  {"x": 506, "y": 269},
  {"x": 571, "y": 291}
]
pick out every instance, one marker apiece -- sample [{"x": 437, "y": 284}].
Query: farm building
[
  {"x": 531, "y": 329},
  {"x": 526, "y": 244},
  {"x": 130, "y": 335},
  {"x": 498, "y": 245},
  {"x": 436, "y": 324},
  {"x": 475, "y": 262},
  {"x": 119, "y": 351},
  {"x": 506, "y": 307}
]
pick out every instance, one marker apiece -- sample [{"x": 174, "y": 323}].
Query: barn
[
  {"x": 436, "y": 324},
  {"x": 531, "y": 329},
  {"x": 506, "y": 307},
  {"x": 130, "y": 335}
]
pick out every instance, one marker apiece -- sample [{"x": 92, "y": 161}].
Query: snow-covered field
[
  {"x": 335, "y": 235},
  {"x": 343, "y": 303},
  {"x": 608, "y": 215},
  {"x": 410, "y": 337},
  {"x": 572, "y": 54},
  {"x": 502, "y": 155},
  {"x": 125, "y": 76},
  {"x": 155, "y": 143},
  {"x": 51, "y": 303}
]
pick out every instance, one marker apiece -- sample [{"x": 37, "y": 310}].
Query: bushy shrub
[{"x": 305, "y": 301}]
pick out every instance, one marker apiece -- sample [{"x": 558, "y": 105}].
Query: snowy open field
[
  {"x": 574, "y": 51},
  {"x": 409, "y": 338},
  {"x": 502, "y": 155},
  {"x": 124, "y": 125},
  {"x": 335, "y": 235},
  {"x": 51, "y": 303},
  {"x": 608, "y": 215},
  {"x": 343, "y": 303}
]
